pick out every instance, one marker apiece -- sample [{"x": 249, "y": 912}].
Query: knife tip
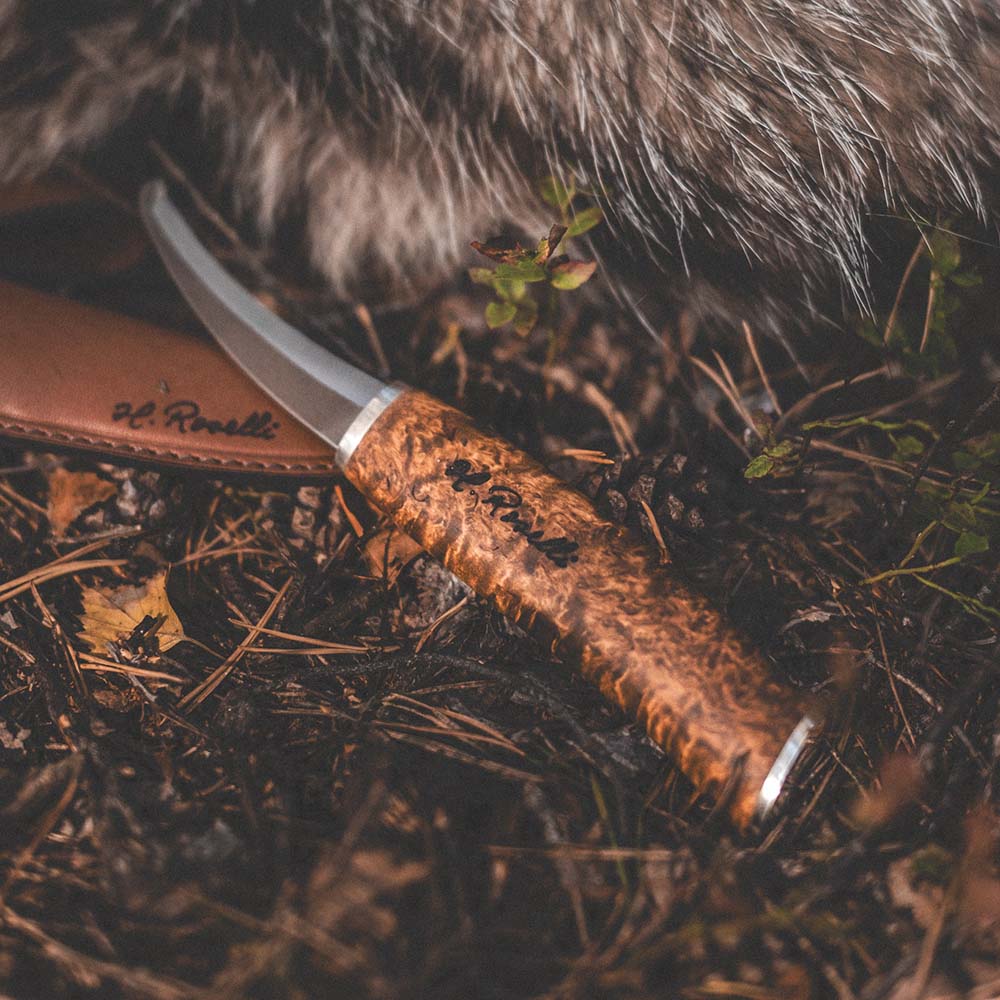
[{"x": 152, "y": 194}]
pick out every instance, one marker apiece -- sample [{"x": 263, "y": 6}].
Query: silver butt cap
[{"x": 782, "y": 767}]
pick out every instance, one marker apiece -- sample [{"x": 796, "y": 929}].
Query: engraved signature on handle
[
  {"x": 561, "y": 551},
  {"x": 185, "y": 417}
]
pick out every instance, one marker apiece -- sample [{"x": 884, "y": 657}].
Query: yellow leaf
[
  {"x": 111, "y": 614},
  {"x": 71, "y": 493}
]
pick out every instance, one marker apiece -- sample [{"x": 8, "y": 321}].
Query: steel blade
[{"x": 325, "y": 393}]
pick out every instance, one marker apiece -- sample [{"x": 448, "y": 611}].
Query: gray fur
[{"x": 409, "y": 127}]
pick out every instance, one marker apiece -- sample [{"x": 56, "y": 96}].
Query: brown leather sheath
[{"x": 75, "y": 376}]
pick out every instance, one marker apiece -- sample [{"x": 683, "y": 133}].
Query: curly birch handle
[{"x": 539, "y": 551}]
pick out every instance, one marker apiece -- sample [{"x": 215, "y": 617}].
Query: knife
[{"x": 524, "y": 540}]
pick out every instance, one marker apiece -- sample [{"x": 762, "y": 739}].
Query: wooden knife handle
[{"x": 539, "y": 551}]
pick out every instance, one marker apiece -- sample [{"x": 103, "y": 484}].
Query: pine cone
[{"x": 684, "y": 496}]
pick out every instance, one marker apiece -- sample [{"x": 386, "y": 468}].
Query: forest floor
[{"x": 400, "y": 795}]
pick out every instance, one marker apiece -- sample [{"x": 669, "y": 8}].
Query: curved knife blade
[{"x": 322, "y": 391}]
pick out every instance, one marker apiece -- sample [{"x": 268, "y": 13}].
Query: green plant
[
  {"x": 517, "y": 268},
  {"x": 920, "y": 337},
  {"x": 779, "y": 458},
  {"x": 979, "y": 455},
  {"x": 907, "y": 447}
]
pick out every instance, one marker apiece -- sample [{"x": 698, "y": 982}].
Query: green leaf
[
  {"x": 978, "y": 453},
  {"x": 782, "y": 449},
  {"x": 966, "y": 279},
  {"x": 555, "y": 193},
  {"x": 509, "y": 291},
  {"x": 584, "y": 221},
  {"x": 908, "y": 447},
  {"x": 969, "y": 543},
  {"x": 526, "y": 317},
  {"x": 867, "y": 330},
  {"x": 979, "y": 495},
  {"x": 499, "y": 313},
  {"x": 760, "y": 467},
  {"x": 571, "y": 274},
  {"x": 481, "y": 275},
  {"x": 960, "y": 517},
  {"x": 945, "y": 252},
  {"x": 523, "y": 270}
]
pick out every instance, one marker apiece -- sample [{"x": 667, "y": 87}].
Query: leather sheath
[{"x": 72, "y": 376}]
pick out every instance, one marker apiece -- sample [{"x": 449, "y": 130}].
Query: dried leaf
[
  {"x": 909, "y": 890},
  {"x": 113, "y": 614},
  {"x": 979, "y": 900},
  {"x": 499, "y": 251},
  {"x": 901, "y": 781},
  {"x": 14, "y": 737},
  {"x": 549, "y": 244},
  {"x": 117, "y": 699},
  {"x": 388, "y": 552},
  {"x": 71, "y": 493}
]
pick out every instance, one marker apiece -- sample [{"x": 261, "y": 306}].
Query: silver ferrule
[
  {"x": 362, "y": 423},
  {"x": 782, "y": 767}
]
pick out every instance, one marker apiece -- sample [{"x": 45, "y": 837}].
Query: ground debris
[{"x": 355, "y": 779}]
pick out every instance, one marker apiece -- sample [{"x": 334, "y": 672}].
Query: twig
[
  {"x": 51, "y": 571},
  {"x": 891, "y": 574},
  {"x": 197, "y": 695},
  {"x": 892, "y": 680},
  {"x": 657, "y": 534},
  {"x": 45, "y": 827},
  {"x": 428, "y": 632},
  {"x": 807, "y": 401},
  {"x": 904, "y": 281},
  {"x": 929, "y": 315},
  {"x": 752, "y": 344},
  {"x": 329, "y": 647},
  {"x": 726, "y": 391},
  {"x": 355, "y": 524},
  {"x": 89, "y": 972},
  {"x": 365, "y": 319},
  {"x": 948, "y": 435}
]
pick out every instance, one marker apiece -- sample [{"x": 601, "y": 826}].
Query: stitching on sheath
[{"x": 140, "y": 452}]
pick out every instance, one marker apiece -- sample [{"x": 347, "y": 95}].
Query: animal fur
[{"x": 764, "y": 131}]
